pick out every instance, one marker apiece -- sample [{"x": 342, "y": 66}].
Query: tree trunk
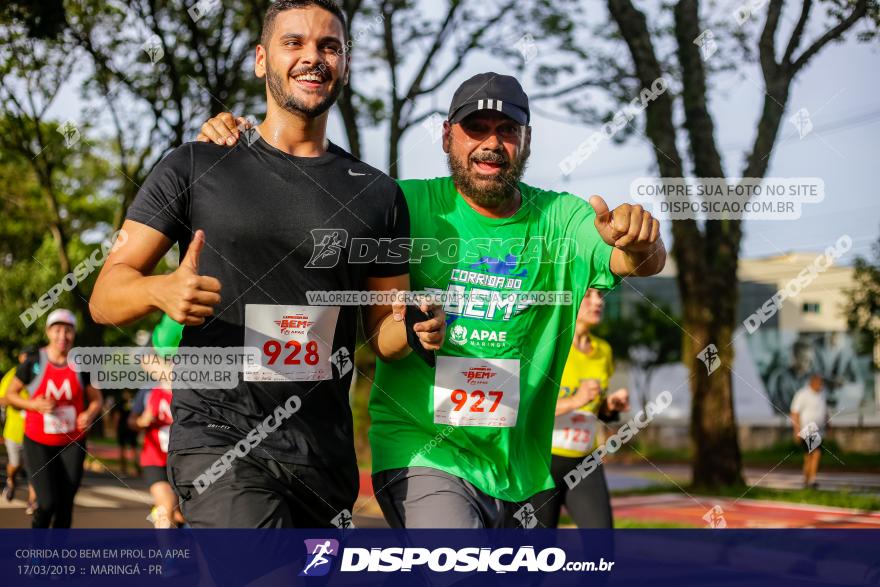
[
  {"x": 349, "y": 120},
  {"x": 706, "y": 275},
  {"x": 394, "y": 136},
  {"x": 717, "y": 460},
  {"x": 646, "y": 387}
]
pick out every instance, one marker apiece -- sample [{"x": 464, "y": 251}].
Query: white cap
[{"x": 61, "y": 315}]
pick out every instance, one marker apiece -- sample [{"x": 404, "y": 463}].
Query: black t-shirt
[
  {"x": 258, "y": 206},
  {"x": 27, "y": 371}
]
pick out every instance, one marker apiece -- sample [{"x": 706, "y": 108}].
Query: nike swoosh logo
[{"x": 355, "y": 173}]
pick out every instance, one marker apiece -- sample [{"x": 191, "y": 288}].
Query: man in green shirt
[{"x": 462, "y": 444}]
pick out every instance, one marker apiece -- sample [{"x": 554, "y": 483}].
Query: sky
[{"x": 839, "y": 88}]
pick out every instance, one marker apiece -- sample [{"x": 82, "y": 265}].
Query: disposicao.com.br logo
[
  {"x": 321, "y": 553},
  {"x": 461, "y": 560},
  {"x": 464, "y": 560}
]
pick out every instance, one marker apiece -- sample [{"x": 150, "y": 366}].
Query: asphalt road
[{"x": 108, "y": 501}]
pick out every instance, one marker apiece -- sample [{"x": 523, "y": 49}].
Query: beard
[
  {"x": 488, "y": 192},
  {"x": 294, "y": 105}
]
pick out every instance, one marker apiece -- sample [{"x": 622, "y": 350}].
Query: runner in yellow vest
[
  {"x": 13, "y": 434},
  {"x": 583, "y": 401}
]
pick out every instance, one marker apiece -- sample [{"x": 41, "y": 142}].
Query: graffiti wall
[{"x": 785, "y": 361}]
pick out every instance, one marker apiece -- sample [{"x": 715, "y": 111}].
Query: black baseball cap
[{"x": 490, "y": 91}]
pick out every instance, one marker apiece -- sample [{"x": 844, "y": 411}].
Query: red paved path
[{"x": 743, "y": 513}]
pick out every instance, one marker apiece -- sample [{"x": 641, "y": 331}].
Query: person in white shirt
[{"x": 809, "y": 416}]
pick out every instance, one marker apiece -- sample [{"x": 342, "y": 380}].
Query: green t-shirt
[
  {"x": 166, "y": 337},
  {"x": 550, "y": 244}
]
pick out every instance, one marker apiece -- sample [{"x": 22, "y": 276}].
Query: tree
[
  {"x": 42, "y": 20},
  {"x": 61, "y": 180},
  {"x": 680, "y": 128},
  {"x": 404, "y": 53},
  {"x": 160, "y": 68},
  {"x": 22, "y": 235},
  {"x": 863, "y": 304},
  {"x": 650, "y": 339},
  {"x": 55, "y": 213},
  {"x": 55, "y": 173}
]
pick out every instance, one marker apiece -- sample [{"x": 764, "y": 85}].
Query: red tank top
[
  {"x": 58, "y": 427},
  {"x": 155, "y": 451}
]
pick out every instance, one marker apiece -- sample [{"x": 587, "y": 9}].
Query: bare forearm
[
  {"x": 15, "y": 400},
  {"x": 123, "y": 294},
  {"x": 96, "y": 400},
  {"x": 94, "y": 410},
  {"x": 639, "y": 263},
  {"x": 389, "y": 342},
  {"x": 565, "y": 405},
  {"x": 13, "y": 395}
]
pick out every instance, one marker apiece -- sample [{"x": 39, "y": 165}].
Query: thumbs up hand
[
  {"x": 189, "y": 297},
  {"x": 630, "y": 228}
]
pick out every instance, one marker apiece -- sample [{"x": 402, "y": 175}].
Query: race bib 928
[{"x": 295, "y": 343}]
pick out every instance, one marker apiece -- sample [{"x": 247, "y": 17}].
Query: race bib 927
[{"x": 476, "y": 392}]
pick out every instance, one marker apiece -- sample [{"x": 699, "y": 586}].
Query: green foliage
[
  {"x": 863, "y": 303},
  {"x": 62, "y": 198},
  {"x": 636, "y": 524},
  {"x": 645, "y": 326},
  {"x": 45, "y": 19},
  {"x": 29, "y": 254},
  {"x": 649, "y": 336}
]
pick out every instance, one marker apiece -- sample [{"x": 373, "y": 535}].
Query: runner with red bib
[
  {"x": 152, "y": 414},
  {"x": 61, "y": 408}
]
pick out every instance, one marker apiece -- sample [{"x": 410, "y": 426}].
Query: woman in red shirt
[
  {"x": 61, "y": 408},
  {"x": 152, "y": 414}
]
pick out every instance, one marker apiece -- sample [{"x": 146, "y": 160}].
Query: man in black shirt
[{"x": 252, "y": 220}]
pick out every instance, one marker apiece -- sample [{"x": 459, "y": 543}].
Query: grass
[
  {"x": 631, "y": 523},
  {"x": 844, "y": 499},
  {"x": 102, "y": 441},
  {"x": 834, "y": 457},
  {"x": 636, "y": 524},
  {"x": 114, "y": 466}
]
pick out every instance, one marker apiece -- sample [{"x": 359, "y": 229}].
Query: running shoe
[{"x": 9, "y": 491}]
